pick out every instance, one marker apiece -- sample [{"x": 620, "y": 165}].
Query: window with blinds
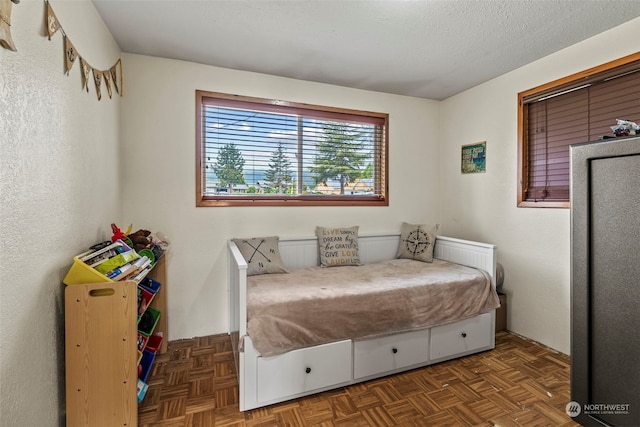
[
  {"x": 253, "y": 151},
  {"x": 576, "y": 109}
]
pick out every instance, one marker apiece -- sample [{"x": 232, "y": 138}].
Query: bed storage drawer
[
  {"x": 384, "y": 354},
  {"x": 459, "y": 337},
  {"x": 303, "y": 370}
]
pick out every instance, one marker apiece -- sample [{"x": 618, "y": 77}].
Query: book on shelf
[
  {"x": 99, "y": 259},
  {"x": 141, "y": 388},
  {"x": 132, "y": 269},
  {"x": 142, "y": 274},
  {"x": 92, "y": 257},
  {"x": 141, "y": 262},
  {"x": 120, "y": 272},
  {"x": 117, "y": 261}
]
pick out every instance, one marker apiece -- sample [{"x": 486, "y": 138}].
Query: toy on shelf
[
  {"x": 118, "y": 234},
  {"x": 625, "y": 128},
  {"x": 127, "y": 256}
]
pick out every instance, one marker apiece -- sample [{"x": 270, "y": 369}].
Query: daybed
[{"x": 349, "y": 341}]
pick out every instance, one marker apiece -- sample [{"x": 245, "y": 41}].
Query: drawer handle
[
  {"x": 308, "y": 370},
  {"x": 394, "y": 350},
  {"x": 464, "y": 334}
]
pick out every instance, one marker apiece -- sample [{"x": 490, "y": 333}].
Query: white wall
[
  {"x": 533, "y": 243},
  {"x": 64, "y": 178},
  {"x": 159, "y": 175},
  {"x": 425, "y": 139},
  {"x": 59, "y": 186}
]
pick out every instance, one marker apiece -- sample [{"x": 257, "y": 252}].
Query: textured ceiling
[{"x": 430, "y": 48}]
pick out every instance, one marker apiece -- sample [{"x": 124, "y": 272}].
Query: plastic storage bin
[
  {"x": 146, "y": 330},
  {"x": 154, "y": 342},
  {"x": 144, "y": 300},
  {"x": 81, "y": 273},
  {"x": 150, "y": 285},
  {"x": 147, "y": 360},
  {"x": 143, "y": 340}
]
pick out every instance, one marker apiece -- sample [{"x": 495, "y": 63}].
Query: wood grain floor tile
[
  {"x": 442, "y": 419},
  {"x": 317, "y": 413},
  {"x": 486, "y": 409},
  {"x": 378, "y": 416},
  {"x": 519, "y": 383},
  {"x": 402, "y": 411},
  {"x": 424, "y": 404}
]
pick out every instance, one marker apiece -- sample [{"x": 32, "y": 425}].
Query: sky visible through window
[{"x": 257, "y": 134}]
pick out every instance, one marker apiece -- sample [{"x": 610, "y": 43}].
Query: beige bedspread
[{"x": 317, "y": 305}]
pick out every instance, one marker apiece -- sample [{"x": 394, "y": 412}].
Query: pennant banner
[
  {"x": 112, "y": 76},
  {"x": 97, "y": 78},
  {"x": 52, "y": 22},
  {"x": 70, "y": 55},
  {"x": 85, "y": 70},
  {"x": 106, "y": 75},
  {"x": 6, "y": 41}
]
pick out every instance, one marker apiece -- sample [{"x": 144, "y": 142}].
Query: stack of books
[{"x": 117, "y": 261}]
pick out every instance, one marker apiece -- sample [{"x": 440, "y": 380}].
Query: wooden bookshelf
[{"x": 101, "y": 353}]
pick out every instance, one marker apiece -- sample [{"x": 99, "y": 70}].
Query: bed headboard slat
[{"x": 303, "y": 252}]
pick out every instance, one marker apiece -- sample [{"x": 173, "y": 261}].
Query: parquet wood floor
[{"x": 520, "y": 383}]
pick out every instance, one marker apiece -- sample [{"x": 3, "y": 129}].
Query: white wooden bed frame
[{"x": 267, "y": 380}]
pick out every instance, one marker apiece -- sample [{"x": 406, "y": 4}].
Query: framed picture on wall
[{"x": 474, "y": 157}]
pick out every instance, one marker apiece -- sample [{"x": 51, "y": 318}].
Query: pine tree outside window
[{"x": 260, "y": 152}]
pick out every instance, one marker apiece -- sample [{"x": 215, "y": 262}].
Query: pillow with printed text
[{"x": 338, "y": 246}]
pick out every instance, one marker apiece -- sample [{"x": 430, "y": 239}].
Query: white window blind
[{"x": 269, "y": 151}]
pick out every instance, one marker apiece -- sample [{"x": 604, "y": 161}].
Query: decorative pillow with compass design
[
  {"x": 417, "y": 241},
  {"x": 262, "y": 255}
]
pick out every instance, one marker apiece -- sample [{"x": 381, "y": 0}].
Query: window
[
  {"x": 253, "y": 151},
  {"x": 575, "y": 109}
]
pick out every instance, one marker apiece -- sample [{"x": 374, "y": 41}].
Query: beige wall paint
[
  {"x": 59, "y": 189},
  {"x": 159, "y": 175},
  {"x": 533, "y": 244}
]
